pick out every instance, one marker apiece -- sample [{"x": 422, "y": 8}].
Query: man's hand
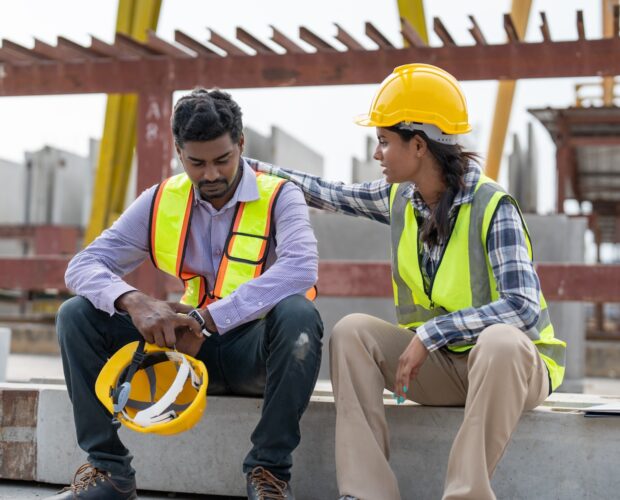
[
  {"x": 157, "y": 320},
  {"x": 188, "y": 342},
  {"x": 409, "y": 364}
]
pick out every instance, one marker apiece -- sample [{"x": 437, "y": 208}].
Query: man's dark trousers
[{"x": 277, "y": 357}]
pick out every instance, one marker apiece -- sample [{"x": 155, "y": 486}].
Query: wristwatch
[{"x": 195, "y": 313}]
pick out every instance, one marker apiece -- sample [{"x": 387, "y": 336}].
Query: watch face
[{"x": 197, "y": 316}]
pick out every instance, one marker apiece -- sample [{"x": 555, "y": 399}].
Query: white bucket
[{"x": 5, "y": 348}]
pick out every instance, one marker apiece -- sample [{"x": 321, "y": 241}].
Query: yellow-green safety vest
[
  {"x": 247, "y": 245},
  {"x": 464, "y": 277}
]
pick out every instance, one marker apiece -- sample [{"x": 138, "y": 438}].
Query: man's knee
[
  {"x": 294, "y": 327},
  {"x": 70, "y": 315},
  {"x": 299, "y": 310}
]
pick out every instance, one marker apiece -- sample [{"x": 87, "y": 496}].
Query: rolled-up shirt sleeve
[
  {"x": 294, "y": 271},
  {"x": 96, "y": 272}
]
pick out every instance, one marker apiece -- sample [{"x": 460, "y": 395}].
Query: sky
[{"x": 321, "y": 117}]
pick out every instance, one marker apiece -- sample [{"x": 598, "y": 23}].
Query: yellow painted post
[
  {"x": 608, "y": 32},
  {"x": 146, "y": 14},
  {"x": 106, "y": 165},
  {"x": 520, "y": 12},
  {"x": 134, "y": 19},
  {"x": 413, "y": 11}
]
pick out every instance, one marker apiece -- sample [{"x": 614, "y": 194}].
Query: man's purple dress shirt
[{"x": 292, "y": 260}]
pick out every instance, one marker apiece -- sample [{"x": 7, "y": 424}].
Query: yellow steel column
[
  {"x": 520, "y": 12},
  {"x": 608, "y": 32},
  {"x": 413, "y": 11},
  {"x": 146, "y": 14},
  {"x": 134, "y": 19}
]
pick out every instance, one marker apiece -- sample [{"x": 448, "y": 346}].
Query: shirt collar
[{"x": 247, "y": 190}]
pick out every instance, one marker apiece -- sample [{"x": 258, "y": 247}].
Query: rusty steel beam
[
  {"x": 112, "y": 51},
  {"x": 580, "y": 282},
  {"x": 376, "y": 36},
  {"x": 315, "y": 40},
  {"x": 347, "y": 40},
  {"x": 442, "y": 33},
  {"x": 14, "y": 52},
  {"x": 354, "y": 279},
  {"x": 163, "y": 47},
  {"x": 410, "y": 34},
  {"x": 476, "y": 32},
  {"x": 136, "y": 48},
  {"x": 33, "y": 273},
  {"x": 581, "y": 33},
  {"x": 251, "y": 41},
  {"x": 510, "y": 29},
  {"x": 71, "y": 46},
  {"x": 154, "y": 141},
  {"x": 285, "y": 42},
  {"x": 192, "y": 44},
  {"x": 544, "y": 27},
  {"x": 488, "y": 62},
  {"x": 560, "y": 282},
  {"x": 45, "y": 239},
  {"x": 227, "y": 46},
  {"x": 50, "y": 52},
  {"x": 596, "y": 140}
]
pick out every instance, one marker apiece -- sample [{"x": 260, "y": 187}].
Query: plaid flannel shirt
[{"x": 517, "y": 283}]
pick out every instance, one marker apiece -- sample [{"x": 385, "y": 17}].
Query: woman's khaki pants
[{"x": 499, "y": 379}]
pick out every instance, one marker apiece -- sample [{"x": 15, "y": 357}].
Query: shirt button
[
  {"x": 218, "y": 252},
  {"x": 227, "y": 321}
]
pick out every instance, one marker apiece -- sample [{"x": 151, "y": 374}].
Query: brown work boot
[
  {"x": 263, "y": 485},
  {"x": 97, "y": 484}
]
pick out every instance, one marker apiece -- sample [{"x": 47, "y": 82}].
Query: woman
[{"x": 473, "y": 330}]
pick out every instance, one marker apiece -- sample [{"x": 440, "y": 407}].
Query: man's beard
[{"x": 217, "y": 188}]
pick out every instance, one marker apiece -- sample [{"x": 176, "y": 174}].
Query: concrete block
[
  {"x": 5, "y": 349},
  {"x": 555, "y": 451},
  {"x": 342, "y": 237},
  {"x": 603, "y": 358}
]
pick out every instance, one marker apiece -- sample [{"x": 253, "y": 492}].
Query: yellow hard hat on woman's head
[{"x": 420, "y": 97}]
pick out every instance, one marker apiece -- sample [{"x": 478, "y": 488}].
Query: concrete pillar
[
  {"x": 558, "y": 238},
  {"x": 5, "y": 349}
]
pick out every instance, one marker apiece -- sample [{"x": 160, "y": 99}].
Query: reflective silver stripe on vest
[
  {"x": 478, "y": 267},
  {"x": 556, "y": 352},
  {"x": 407, "y": 311},
  {"x": 544, "y": 320},
  {"x": 405, "y": 306}
]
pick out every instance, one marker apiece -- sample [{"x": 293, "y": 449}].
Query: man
[{"x": 201, "y": 226}]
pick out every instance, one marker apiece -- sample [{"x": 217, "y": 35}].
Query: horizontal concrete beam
[
  {"x": 555, "y": 451},
  {"x": 560, "y": 282}
]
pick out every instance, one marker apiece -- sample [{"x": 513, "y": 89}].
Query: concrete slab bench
[{"x": 555, "y": 453}]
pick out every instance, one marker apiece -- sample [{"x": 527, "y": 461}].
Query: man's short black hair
[{"x": 205, "y": 115}]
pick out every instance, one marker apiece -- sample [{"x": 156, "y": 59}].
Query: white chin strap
[
  {"x": 432, "y": 132},
  {"x": 156, "y": 413}
]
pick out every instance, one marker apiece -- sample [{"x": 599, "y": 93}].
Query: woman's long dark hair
[{"x": 453, "y": 160}]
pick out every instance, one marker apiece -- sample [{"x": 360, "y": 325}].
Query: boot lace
[
  {"x": 89, "y": 476},
  {"x": 267, "y": 485}
]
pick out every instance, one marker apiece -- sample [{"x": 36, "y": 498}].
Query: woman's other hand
[{"x": 409, "y": 364}]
